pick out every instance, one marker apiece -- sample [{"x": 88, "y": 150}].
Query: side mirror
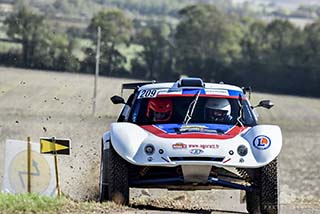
[
  {"x": 117, "y": 100},
  {"x": 265, "y": 104}
]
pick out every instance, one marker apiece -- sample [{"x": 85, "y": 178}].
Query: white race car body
[
  {"x": 197, "y": 146},
  {"x": 190, "y": 135}
]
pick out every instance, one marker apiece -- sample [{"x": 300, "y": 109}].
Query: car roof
[{"x": 175, "y": 85}]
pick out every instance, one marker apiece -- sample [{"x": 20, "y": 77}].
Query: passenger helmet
[{"x": 217, "y": 110}]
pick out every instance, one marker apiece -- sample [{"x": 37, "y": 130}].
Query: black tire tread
[
  {"x": 253, "y": 197},
  {"x": 265, "y": 200},
  {"x": 103, "y": 194},
  {"x": 118, "y": 186},
  {"x": 269, "y": 188}
]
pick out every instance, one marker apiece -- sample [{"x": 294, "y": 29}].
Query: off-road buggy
[{"x": 190, "y": 135}]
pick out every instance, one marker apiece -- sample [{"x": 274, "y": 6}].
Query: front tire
[
  {"x": 266, "y": 199},
  {"x": 103, "y": 185},
  {"x": 269, "y": 188},
  {"x": 117, "y": 178}
]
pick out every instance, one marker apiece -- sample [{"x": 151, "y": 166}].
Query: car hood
[{"x": 220, "y": 142}]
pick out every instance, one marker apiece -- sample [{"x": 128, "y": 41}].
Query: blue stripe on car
[
  {"x": 193, "y": 91},
  {"x": 235, "y": 93}
]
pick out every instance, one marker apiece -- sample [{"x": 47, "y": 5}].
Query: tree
[
  {"x": 115, "y": 30},
  {"x": 275, "y": 44},
  {"x": 156, "y": 57},
  {"x": 272, "y": 53},
  {"x": 254, "y": 45},
  {"x": 27, "y": 28},
  {"x": 312, "y": 43},
  {"x": 56, "y": 53},
  {"x": 282, "y": 37},
  {"x": 41, "y": 47},
  {"x": 207, "y": 41},
  {"x": 310, "y": 54}
]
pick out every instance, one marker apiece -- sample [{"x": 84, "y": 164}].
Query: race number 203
[{"x": 147, "y": 93}]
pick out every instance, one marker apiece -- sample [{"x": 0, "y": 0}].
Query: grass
[
  {"x": 32, "y": 203},
  {"x": 29, "y": 203}
]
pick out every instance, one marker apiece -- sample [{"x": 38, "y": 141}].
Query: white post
[{"x": 97, "y": 72}]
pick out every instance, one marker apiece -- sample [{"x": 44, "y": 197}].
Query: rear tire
[{"x": 265, "y": 200}]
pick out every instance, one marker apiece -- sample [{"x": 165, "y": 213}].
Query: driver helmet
[
  {"x": 218, "y": 110},
  {"x": 159, "y": 109}
]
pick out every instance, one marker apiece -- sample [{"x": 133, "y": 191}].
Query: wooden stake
[
  {"x": 29, "y": 164},
  {"x": 56, "y": 166}
]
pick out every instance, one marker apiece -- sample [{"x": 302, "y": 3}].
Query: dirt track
[{"x": 35, "y": 104}]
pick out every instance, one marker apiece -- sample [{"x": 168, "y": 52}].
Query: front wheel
[
  {"x": 269, "y": 188},
  {"x": 266, "y": 199},
  {"x": 103, "y": 184},
  {"x": 114, "y": 184}
]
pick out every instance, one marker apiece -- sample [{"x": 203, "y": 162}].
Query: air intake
[
  {"x": 190, "y": 82},
  {"x": 216, "y": 159}
]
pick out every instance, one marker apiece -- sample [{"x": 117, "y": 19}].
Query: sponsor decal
[
  {"x": 193, "y": 128},
  {"x": 262, "y": 142},
  {"x": 179, "y": 146},
  {"x": 169, "y": 92},
  {"x": 204, "y": 146},
  {"x": 196, "y": 151},
  {"x": 217, "y": 92}
]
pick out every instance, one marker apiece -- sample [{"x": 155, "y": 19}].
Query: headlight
[
  {"x": 149, "y": 149},
  {"x": 242, "y": 150}
]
